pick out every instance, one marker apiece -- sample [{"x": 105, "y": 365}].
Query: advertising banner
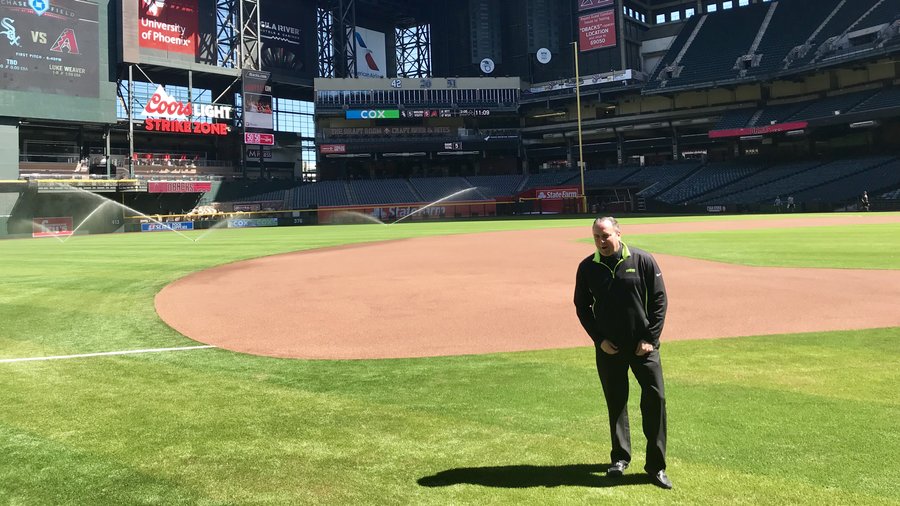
[
  {"x": 165, "y": 113},
  {"x": 255, "y": 222},
  {"x": 584, "y": 5},
  {"x": 170, "y": 26},
  {"x": 327, "y": 149},
  {"x": 373, "y": 114},
  {"x": 760, "y": 130},
  {"x": 258, "y": 111},
  {"x": 597, "y": 30},
  {"x": 178, "y": 186},
  {"x": 165, "y": 227},
  {"x": 287, "y": 31},
  {"x": 557, "y": 193},
  {"x": 371, "y": 58},
  {"x": 50, "y": 47},
  {"x": 52, "y": 227},
  {"x": 259, "y": 139}
]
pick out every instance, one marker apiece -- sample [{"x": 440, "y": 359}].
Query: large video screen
[
  {"x": 176, "y": 33},
  {"x": 288, "y": 34},
  {"x": 50, "y": 47},
  {"x": 167, "y": 26}
]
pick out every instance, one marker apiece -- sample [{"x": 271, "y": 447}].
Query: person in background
[{"x": 621, "y": 302}]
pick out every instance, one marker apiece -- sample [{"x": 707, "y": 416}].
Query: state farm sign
[
  {"x": 163, "y": 113},
  {"x": 557, "y": 194}
]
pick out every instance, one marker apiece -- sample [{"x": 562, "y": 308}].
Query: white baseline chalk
[{"x": 103, "y": 354}]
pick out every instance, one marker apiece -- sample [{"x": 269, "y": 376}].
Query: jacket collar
[{"x": 625, "y": 254}]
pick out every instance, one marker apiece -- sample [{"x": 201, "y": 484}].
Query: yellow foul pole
[{"x": 580, "y": 146}]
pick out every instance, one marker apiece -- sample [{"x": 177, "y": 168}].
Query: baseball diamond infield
[{"x": 501, "y": 291}]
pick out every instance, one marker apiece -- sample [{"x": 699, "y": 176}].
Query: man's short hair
[{"x": 614, "y": 222}]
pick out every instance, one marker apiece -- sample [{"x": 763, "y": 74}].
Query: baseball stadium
[{"x": 324, "y": 251}]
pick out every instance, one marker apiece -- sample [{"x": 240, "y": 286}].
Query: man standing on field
[{"x": 621, "y": 302}]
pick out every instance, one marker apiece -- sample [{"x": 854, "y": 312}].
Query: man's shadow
[{"x": 525, "y": 476}]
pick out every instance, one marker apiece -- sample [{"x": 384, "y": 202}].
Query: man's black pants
[{"x": 613, "y": 370}]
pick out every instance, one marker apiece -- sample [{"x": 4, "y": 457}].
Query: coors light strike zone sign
[{"x": 165, "y": 114}]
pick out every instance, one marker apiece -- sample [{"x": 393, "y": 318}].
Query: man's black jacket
[{"x": 625, "y": 304}]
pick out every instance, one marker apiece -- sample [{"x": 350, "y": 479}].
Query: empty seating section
[
  {"x": 881, "y": 176},
  {"x": 432, "y": 189},
  {"x": 735, "y": 119},
  {"x": 779, "y": 113},
  {"x": 895, "y": 194},
  {"x": 722, "y": 39},
  {"x": 605, "y": 177},
  {"x": 673, "y": 51},
  {"x": 656, "y": 179},
  {"x": 885, "y": 98},
  {"x": 793, "y": 22},
  {"x": 381, "y": 191},
  {"x": 550, "y": 179},
  {"x": 325, "y": 193},
  {"x": 708, "y": 178},
  {"x": 727, "y": 35},
  {"x": 847, "y": 14},
  {"x": 801, "y": 181},
  {"x": 827, "y": 106},
  {"x": 497, "y": 186},
  {"x": 273, "y": 196},
  {"x": 758, "y": 178}
]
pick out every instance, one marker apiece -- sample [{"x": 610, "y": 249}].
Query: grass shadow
[{"x": 526, "y": 476}]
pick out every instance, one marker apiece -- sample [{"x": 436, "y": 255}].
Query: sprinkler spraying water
[
  {"x": 448, "y": 197},
  {"x": 106, "y": 200}
]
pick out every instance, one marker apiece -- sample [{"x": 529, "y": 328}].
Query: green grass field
[{"x": 799, "y": 419}]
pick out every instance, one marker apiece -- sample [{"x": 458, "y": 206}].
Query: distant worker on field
[
  {"x": 864, "y": 201},
  {"x": 790, "y": 203},
  {"x": 778, "y": 203},
  {"x": 621, "y": 302}
]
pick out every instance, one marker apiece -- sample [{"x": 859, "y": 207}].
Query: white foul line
[{"x": 104, "y": 354}]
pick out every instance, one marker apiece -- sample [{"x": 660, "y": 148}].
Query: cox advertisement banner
[
  {"x": 52, "y": 227},
  {"x": 178, "y": 186},
  {"x": 253, "y": 222},
  {"x": 165, "y": 227},
  {"x": 597, "y": 30},
  {"x": 168, "y": 25},
  {"x": 50, "y": 47}
]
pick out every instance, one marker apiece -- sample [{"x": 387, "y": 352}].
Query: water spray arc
[{"x": 436, "y": 202}]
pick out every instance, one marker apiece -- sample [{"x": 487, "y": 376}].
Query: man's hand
[
  {"x": 643, "y": 348},
  {"x": 608, "y": 347}
]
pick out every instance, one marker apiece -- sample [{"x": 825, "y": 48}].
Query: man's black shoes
[
  {"x": 616, "y": 469},
  {"x": 660, "y": 479}
]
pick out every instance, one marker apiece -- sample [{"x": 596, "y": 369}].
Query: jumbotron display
[{"x": 50, "y": 47}]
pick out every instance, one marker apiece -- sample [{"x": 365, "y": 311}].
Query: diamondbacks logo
[
  {"x": 370, "y": 61},
  {"x": 39, "y": 6},
  {"x": 10, "y": 31},
  {"x": 154, "y": 7},
  {"x": 66, "y": 42}
]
